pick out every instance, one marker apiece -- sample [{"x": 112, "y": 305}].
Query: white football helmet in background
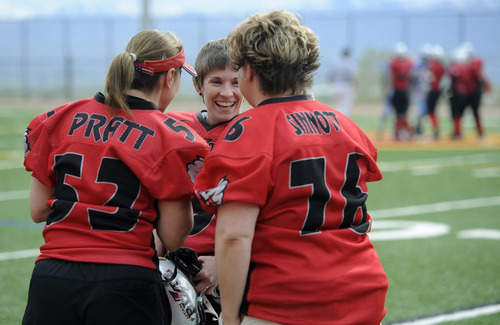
[
  {"x": 438, "y": 52},
  {"x": 183, "y": 299},
  {"x": 400, "y": 49}
]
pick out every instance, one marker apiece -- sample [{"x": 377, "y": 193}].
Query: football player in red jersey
[
  {"x": 480, "y": 84},
  {"x": 287, "y": 180},
  {"x": 106, "y": 171},
  {"x": 401, "y": 67},
  {"x": 437, "y": 72},
  {"x": 217, "y": 84},
  {"x": 462, "y": 86}
]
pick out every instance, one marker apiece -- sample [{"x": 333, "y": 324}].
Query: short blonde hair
[
  {"x": 146, "y": 45},
  {"x": 278, "y": 48}
]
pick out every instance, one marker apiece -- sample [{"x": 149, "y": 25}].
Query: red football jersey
[
  {"x": 462, "y": 78},
  {"x": 306, "y": 165},
  {"x": 437, "y": 71},
  {"x": 401, "y": 73},
  {"x": 476, "y": 67},
  {"x": 202, "y": 237},
  {"x": 107, "y": 172}
]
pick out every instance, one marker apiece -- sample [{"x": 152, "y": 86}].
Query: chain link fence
[{"x": 68, "y": 58}]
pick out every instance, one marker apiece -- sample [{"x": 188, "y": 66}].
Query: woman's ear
[
  {"x": 248, "y": 73},
  {"x": 170, "y": 77},
  {"x": 198, "y": 90}
]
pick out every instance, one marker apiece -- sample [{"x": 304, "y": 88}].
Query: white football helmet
[
  {"x": 425, "y": 50},
  {"x": 459, "y": 56},
  {"x": 400, "y": 49},
  {"x": 182, "y": 297},
  {"x": 438, "y": 52},
  {"x": 468, "y": 49}
]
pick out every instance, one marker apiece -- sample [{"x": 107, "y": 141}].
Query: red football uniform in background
[
  {"x": 400, "y": 71},
  {"x": 480, "y": 85},
  {"x": 307, "y": 167},
  {"x": 202, "y": 237},
  {"x": 462, "y": 88},
  {"x": 437, "y": 71},
  {"x": 116, "y": 152},
  {"x": 476, "y": 68},
  {"x": 461, "y": 78}
]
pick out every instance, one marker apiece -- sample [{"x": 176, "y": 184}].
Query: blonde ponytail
[
  {"x": 122, "y": 76},
  {"x": 119, "y": 80}
]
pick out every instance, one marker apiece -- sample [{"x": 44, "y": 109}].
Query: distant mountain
[{"x": 69, "y": 51}]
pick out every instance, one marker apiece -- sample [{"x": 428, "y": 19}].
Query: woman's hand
[{"x": 206, "y": 279}]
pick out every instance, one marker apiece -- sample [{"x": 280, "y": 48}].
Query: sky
[
  {"x": 25, "y": 9},
  {"x": 385, "y": 22}
]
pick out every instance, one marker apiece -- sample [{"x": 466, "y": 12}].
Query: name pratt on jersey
[
  {"x": 101, "y": 129},
  {"x": 316, "y": 122}
]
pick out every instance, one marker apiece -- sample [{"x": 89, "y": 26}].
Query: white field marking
[
  {"x": 456, "y": 316},
  {"x": 19, "y": 254},
  {"x": 11, "y": 164},
  {"x": 435, "y": 207},
  {"x": 404, "y": 230},
  {"x": 480, "y": 234},
  {"x": 14, "y": 153},
  {"x": 14, "y": 195},
  {"x": 432, "y": 164},
  {"x": 486, "y": 172}
]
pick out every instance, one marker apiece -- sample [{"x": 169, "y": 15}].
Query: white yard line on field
[
  {"x": 376, "y": 214},
  {"x": 473, "y": 312},
  {"x": 11, "y": 164},
  {"x": 435, "y": 207},
  {"x": 5, "y": 256},
  {"x": 14, "y": 195},
  {"x": 419, "y": 166},
  {"x": 491, "y": 234},
  {"x": 455, "y": 316}
]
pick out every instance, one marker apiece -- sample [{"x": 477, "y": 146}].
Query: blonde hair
[
  {"x": 146, "y": 45},
  {"x": 278, "y": 48}
]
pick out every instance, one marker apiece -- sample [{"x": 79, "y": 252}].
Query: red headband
[{"x": 176, "y": 61}]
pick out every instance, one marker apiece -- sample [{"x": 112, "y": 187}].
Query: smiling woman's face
[{"x": 221, "y": 94}]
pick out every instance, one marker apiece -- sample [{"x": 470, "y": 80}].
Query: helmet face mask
[{"x": 183, "y": 299}]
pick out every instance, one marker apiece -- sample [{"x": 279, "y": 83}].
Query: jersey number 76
[{"x": 312, "y": 172}]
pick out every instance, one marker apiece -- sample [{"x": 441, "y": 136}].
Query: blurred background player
[
  {"x": 420, "y": 85},
  {"x": 431, "y": 73},
  {"x": 108, "y": 170},
  {"x": 462, "y": 86},
  {"x": 343, "y": 78},
  {"x": 436, "y": 67},
  {"x": 288, "y": 179},
  {"x": 387, "y": 93},
  {"x": 217, "y": 84},
  {"x": 400, "y": 69},
  {"x": 480, "y": 84}
]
